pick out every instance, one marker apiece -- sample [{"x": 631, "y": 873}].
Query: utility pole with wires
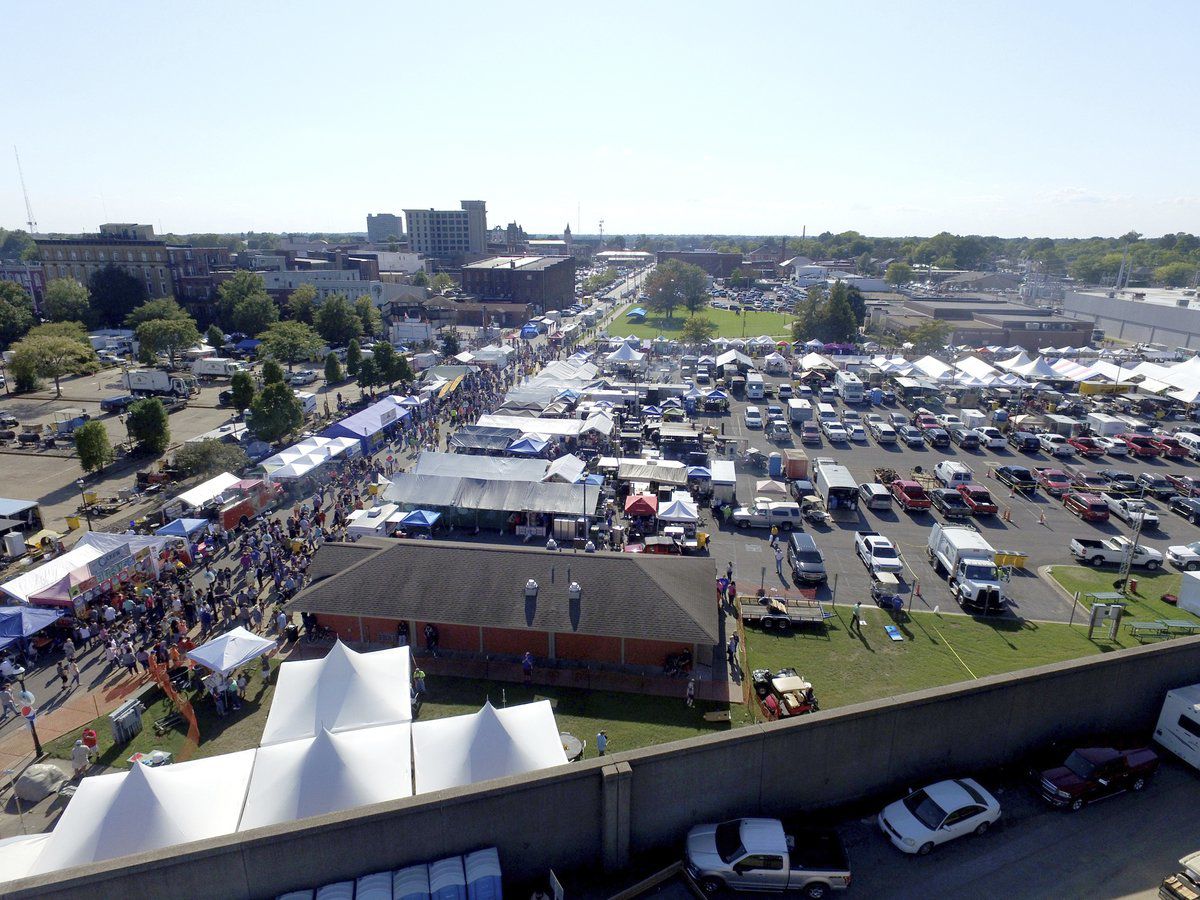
[{"x": 1127, "y": 561}]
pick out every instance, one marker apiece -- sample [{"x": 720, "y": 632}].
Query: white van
[
  {"x": 952, "y": 473},
  {"x": 308, "y": 402},
  {"x": 1191, "y": 441},
  {"x": 1178, "y": 728},
  {"x": 826, "y": 412},
  {"x": 874, "y": 495},
  {"x": 755, "y": 386}
]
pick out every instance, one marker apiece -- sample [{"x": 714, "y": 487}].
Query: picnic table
[
  {"x": 1164, "y": 627},
  {"x": 1137, "y": 629},
  {"x": 1181, "y": 626}
]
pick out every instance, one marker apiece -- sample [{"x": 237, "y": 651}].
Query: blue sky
[{"x": 1069, "y": 118}]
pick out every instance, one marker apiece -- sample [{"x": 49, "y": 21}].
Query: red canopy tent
[{"x": 641, "y": 505}]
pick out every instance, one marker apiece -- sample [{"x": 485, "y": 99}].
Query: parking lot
[{"x": 1032, "y": 597}]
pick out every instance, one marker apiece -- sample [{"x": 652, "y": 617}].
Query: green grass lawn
[
  {"x": 845, "y": 668},
  {"x": 729, "y": 324},
  {"x": 631, "y": 720},
  {"x": 1144, "y": 604},
  {"x": 238, "y": 730}
]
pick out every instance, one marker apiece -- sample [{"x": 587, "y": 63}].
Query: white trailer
[
  {"x": 799, "y": 411},
  {"x": 216, "y": 367},
  {"x": 1178, "y": 728},
  {"x": 724, "y": 481},
  {"x": 1104, "y": 425},
  {"x": 156, "y": 382}
]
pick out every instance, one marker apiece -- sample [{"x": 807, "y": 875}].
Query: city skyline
[{"x": 1021, "y": 120}]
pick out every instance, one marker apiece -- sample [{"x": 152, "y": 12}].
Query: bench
[{"x": 1137, "y": 629}]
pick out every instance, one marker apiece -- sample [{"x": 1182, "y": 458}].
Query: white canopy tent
[
  {"x": 932, "y": 366},
  {"x": 567, "y": 469},
  {"x": 735, "y": 357},
  {"x": 493, "y": 743},
  {"x": 19, "y": 854},
  {"x": 208, "y": 491},
  {"x": 681, "y": 509},
  {"x": 625, "y": 354},
  {"x": 232, "y": 649},
  {"x": 148, "y": 809},
  {"x": 329, "y": 773},
  {"x": 976, "y": 368},
  {"x": 341, "y": 691},
  {"x": 816, "y": 361},
  {"x": 1015, "y": 362}
]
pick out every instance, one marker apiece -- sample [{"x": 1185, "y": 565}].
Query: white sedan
[
  {"x": 835, "y": 432},
  {"x": 856, "y": 431},
  {"x": 753, "y": 417},
  {"x": 937, "y": 814},
  {"x": 1113, "y": 447}
]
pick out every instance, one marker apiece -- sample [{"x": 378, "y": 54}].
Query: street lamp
[{"x": 87, "y": 511}]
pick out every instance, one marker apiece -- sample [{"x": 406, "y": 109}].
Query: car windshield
[
  {"x": 808, "y": 556},
  {"x": 982, "y": 573},
  {"x": 1079, "y": 765},
  {"x": 924, "y": 809},
  {"x": 729, "y": 841},
  {"x": 883, "y": 552}
]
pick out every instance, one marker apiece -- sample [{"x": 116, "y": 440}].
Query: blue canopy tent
[
  {"x": 716, "y": 394},
  {"x": 249, "y": 345},
  {"x": 637, "y": 311},
  {"x": 698, "y": 473},
  {"x": 529, "y": 331},
  {"x": 652, "y": 410},
  {"x": 369, "y": 425},
  {"x": 529, "y": 445},
  {"x": 182, "y": 527},
  {"x": 421, "y": 518},
  {"x": 672, "y": 403},
  {"x": 593, "y": 478},
  {"x": 18, "y": 622}
]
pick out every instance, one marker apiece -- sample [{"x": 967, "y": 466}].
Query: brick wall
[{"x": 587, "y": 648}]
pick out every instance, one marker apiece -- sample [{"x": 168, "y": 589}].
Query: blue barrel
[
  {"x": 775, "y": 465},
  {"x": 1000, "y": 415}
]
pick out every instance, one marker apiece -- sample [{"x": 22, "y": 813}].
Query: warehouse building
[{"x": 543, "y": 282}]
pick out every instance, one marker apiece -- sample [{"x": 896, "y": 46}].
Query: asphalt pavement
[{"x": 1032, "y": 597}]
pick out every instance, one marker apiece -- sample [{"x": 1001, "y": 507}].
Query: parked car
[
  {"x": 856, "y": 432},
  {"x": 1140, "y": 445},
  {"x": 877, "y": 553},
  {"x": 1185, "y": 485},
  {"x": 1185, "y": 556},
  {"x": 950, "y": 503},
  {"x": 1188, "y": 507},
  {"x": 1114, "y": 551},
  {"x": 757, "y": 855},
  {"x": 978, "y": 499},
  {"x": 911, "y": 436},
  {"x": 1018, "y": 478},
  {"x": 1131, "y": 510},
  {"x": 898, "y": 420},
  {"x": 966, "y": 438},
  {"x": 949, "y": 421},
  {"x": 1112, "y": 446},
  {"x": 1094, "y": 773},
  {"x": 925, "y": 421},
  {"x": 1025, "y": 441},
  {"x": 1089, "y": 507},
  {"x": 1156, "y": 485},
  {"x": 810, "y": 433},
  {"x": 116, "y": 404},
  {"x": 835, "y": 431},
  {"x": 1119, "y": 482},
  {"x": 1054, "y": 482},
  {"x": 7, "y": 420},
  {"x": 1086, "y": 446},
  {"x": 1092, "y": 482},
  {"x": 303, "y": 376},
  {"x": 939, "y": 813},
  {"x": 1055, "y": 444},
  {"x": 753, "y": 417},
  {"x": 805, "y": 558},
  {"x": 1169, "y": 447},
  {"x": 937, "y": 437},
  {"x": 991, "y": 437},
  {"x": 765, "y": 513},
  {"x": 910, "y": 494}
]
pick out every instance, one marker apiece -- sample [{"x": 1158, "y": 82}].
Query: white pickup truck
[
  {"x": 1112, "y": 551},
  {"x": 765, "y": 513},
  {"x": 1131, "y": 510},
  {"x": 758, "y": 855},
  {"x": 877, "y": 553}
]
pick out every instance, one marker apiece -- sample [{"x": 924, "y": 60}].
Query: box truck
[
  {"x": 216, "y": 367},
  {"x": 156, "y": 382},
  {"x": 969, "y": 564}
]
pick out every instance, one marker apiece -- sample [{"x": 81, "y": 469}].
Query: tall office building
[
  {"x": 448, "y": 232},
  {"x": 383, "y": 227}
]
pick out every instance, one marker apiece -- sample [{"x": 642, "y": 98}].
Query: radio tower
[
  {"x": 601, "y": 234},
  {"x": 30, "y": 220}
]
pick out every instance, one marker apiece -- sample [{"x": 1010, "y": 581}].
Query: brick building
[
  {"x": 28, "y": 275},
  {"x": 718, "y": 265},
  {"x": 545, "y": 282},
  {"x": 630, "y": 612}
]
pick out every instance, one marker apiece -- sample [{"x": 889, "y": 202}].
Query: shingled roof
[{"x": 664, "y": 598}]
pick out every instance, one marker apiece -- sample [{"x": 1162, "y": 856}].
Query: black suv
[
  {"x": 1024, "y": 441},
  {"x": 936, "y": 437},
  {"x": 1188, "y": 507},
  {"x": 964, "y": 437}
]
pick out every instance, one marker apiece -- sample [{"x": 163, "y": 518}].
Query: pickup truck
[
  {"x": 1131, "y": 511},
  {"x": 1055, "y": 482},
  {"x": 1055, "y": 444},
  {"x": 765, "y": 513},
  {"x": 117, "y": 404},
  {"x": 877, "y": 553},
  {"x": 978, "y": 499},
  {"x": 1095, "y": 773},
  {"x": 1140, "y": 445},
  {"x": 1086, "y": 446},
  {"x": 1170, "y": 447},
  {"x": 909, "y": 494},
  {"x": 1018, "y": 478},
  {"x": 758, "y": 855},
  {"x": 1113, "y": 551}
]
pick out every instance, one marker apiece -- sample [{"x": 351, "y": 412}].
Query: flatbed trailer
[{"x": 775, "y": 612}]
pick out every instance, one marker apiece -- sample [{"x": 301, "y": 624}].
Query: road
[{"x": 1046, "y": 544}]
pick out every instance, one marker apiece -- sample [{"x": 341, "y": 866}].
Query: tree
[
  {"x": 289, "y": 342},
  {"x": 836, "y": 322},
  {"x": 66, "y": 300},
  {"x": 857, "y": 303},
  {"x": 368, "y": 373},
  {"x": 368, "y": 317},
  {"x": 742, "y": 277},
  {"x": 698, "y": 330},
  {"x": 403, "y": 371},
  {"x": 450, "y": 343},
  {"x": 168, "y": 336},
  {"x": 115, "y": 294},
  {"x": 441, "y": 283},
  {"x": 929, "y": 336},
  {"x": 1176, "y": 274},
  {"x": 255, "y": 314},
  {"x": 242, "y": 285},
  {"x": 675, "y": 284},
  {"x": 420, "y": 279},
  {"x": 333, "y": 369},
  {"x": 51, "y": 356},
  {"x": 242, "y": 388},
  {"x": 146, "y": 422},
  {"x": 864, "y": 264},
  {"x": 154, "y": 310},
  {"x": 16, "y": 312},
  {"x": 209, "y": 456},
  {"x": 91, "y": 443},
  {"x": 384, "y": 355},
  {"x": 272, "y": 372},
  {"x": 898, "y": 273},
  {"x": 302, "y": 303},
  {"x": 215, "y": 337},
  {"x": 275, "y": 412},
  {"x": 337, "y": 321},
  {"x": 353, "y": 358}
]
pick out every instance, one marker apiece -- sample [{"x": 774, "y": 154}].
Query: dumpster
[{"x": 126, "y": 721}]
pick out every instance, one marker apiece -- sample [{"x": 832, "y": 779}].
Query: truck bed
[{"x": 817, "y": 850}]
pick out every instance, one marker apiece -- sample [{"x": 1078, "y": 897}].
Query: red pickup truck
[
  {"x": 909, "y": 494},
  {"x": 1086, "y": 446},
  {"x": 1141, "y": 445},
  {"x": 1170, "y": 447},
  {"x": 1094, "y": 773},
  {"x": 1055, "y": 482},
  {"x": 978, "y": 499}
]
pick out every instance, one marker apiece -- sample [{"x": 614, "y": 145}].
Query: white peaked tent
[
  {"x": 566, "y": 469},
  {"x": 625, "y": 354},
  {"x": 680, "y": 509},
  {"x": 232, "y": 649},
  {"x": 493, "y": 743},
  {"x": 816, "y": 361},
  {"x": 329, "y": 773},
  {"x": 1016, "y": 362},
  {"x": 976, "y": 368},
  {"x": 774, "y": 359},
  {"x": 19, "y": 854},
  {"x": 148, "y": 809},
  {"x": 1039, "y": 368},
  {"x": 933, "y": 367},
  {"x": 341, "y": 691}
]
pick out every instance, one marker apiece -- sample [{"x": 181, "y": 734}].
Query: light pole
[{"x": 87, "y": 511}]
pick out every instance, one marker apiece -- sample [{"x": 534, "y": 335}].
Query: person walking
[
  {"x": 691, "y": 692},
  {"x": 527, "y": 666},
  {"x": 8, "y": 702},
  {"x": 73, "y": 671},
  {"x": 602, "y": 743},
  {"x": 856, "y": 617},
  {"x": 62, "y": 674},
  {"x": 81, "y": 758},
  {"x": 779, "y": 561}
]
